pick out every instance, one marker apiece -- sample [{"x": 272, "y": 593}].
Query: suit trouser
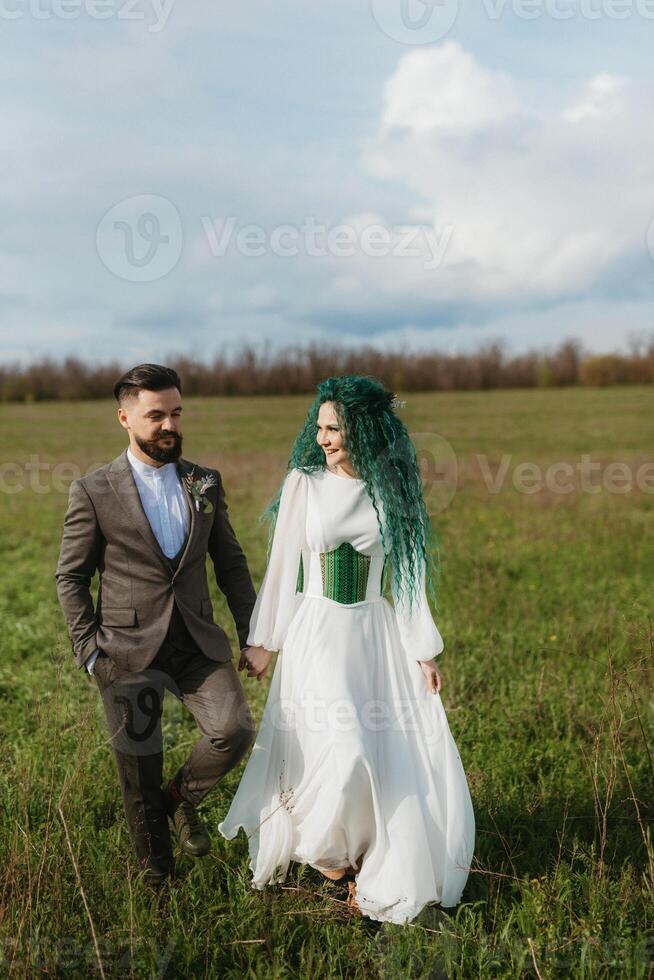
[{"x": 133, "y": 704}]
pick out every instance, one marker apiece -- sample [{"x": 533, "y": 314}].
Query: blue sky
[{"x": 188, "y": 177}]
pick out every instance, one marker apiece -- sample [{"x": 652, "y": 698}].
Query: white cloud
[
  {"x": 540, "y": 210},
  {"x": 445, "y": 88},
  {"x": 602, "y": 99},
  {"x": 548, "y": 195}
]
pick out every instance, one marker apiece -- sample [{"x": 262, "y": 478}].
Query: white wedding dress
[{"x": 354, "y": 756}]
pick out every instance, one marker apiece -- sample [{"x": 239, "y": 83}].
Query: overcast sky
[{"x": 186, "y": 176}]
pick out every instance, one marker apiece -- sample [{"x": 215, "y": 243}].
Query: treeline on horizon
[{"x": 297, "y": 370}]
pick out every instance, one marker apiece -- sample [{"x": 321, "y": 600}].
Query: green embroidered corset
[{"x": 344, "y": 574}]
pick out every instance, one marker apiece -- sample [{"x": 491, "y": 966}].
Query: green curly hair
[{"x": 384, "y": 458}]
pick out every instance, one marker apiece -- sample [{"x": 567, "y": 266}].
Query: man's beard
[{"x": 159, "y": 453}]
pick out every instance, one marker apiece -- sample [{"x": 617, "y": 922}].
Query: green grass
[{"x": 545, "y": 606}]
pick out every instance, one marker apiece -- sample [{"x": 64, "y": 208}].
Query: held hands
[
  {"x": 256, "y": 659},
  {"x": 432, "y": 676}
]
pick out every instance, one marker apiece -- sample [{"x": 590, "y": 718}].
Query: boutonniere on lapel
[{"x": 197, "y": 486}]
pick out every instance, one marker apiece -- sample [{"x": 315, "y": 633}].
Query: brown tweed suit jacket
[{"x": 107, "y": 530}]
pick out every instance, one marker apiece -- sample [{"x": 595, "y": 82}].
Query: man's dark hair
[{"x": 152, "y": 377}]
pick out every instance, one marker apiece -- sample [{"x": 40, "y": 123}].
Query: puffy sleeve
[
  {"x": 277, "y": 599},
  {"x": 418, "y": 631}
]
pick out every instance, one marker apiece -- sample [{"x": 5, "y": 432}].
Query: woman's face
[{"x": 329, "y": 437}]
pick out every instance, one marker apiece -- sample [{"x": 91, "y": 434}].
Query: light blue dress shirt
[{"x": 164, "y": 503}]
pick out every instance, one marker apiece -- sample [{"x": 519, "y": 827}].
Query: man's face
[{"x": 154, "y": 422}]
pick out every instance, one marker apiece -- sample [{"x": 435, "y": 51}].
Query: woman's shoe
[
  {"x": 340, "y": 874},
  {"x": 334, "y": 874},
  {"x": 351, "y": 898}
]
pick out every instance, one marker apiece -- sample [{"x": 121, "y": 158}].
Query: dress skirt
[{"x": 354, "y": 758}]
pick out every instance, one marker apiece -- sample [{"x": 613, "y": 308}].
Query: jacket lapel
[
  {"x": 122, "y": 482},
  {"x": 183, "y": 469}
]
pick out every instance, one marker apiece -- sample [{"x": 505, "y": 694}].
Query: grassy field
[{"x": 545, "y": 606}]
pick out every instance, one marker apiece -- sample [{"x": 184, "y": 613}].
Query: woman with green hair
[{"x": 354, "y": 770}]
